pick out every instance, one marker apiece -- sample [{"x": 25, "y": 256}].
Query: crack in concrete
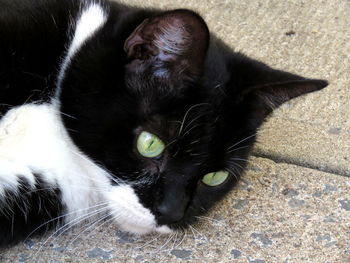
[{"x": 288, "y": 160}]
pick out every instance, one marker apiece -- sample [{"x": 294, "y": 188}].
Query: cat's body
[{"x": 80, "y": 81}]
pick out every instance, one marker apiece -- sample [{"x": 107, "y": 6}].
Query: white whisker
[
  {"x": 193, "y": 120},
  {"x": 239, "y": 148},
  {"x": 69, "y": 225},
  {"x": 247, "y": 138},
  {"x": 167, "y": 241},
  {"x": 92, "y": 225},
  {"x": 64, "y": 215},
  {"x": 191, "y": 228},
  {"x": 183, "y": 239},
  {"x": 187, "y": 112},
  {"x": 193, "y": 127},
  {"x": 173, "y": 243},
  {"x": 211, "y": 220},
  {"x": 232, "y": 172},
  {"x": 200, "y": 234}
]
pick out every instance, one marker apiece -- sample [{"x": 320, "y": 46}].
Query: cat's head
[{"x": 171, "y": 117}]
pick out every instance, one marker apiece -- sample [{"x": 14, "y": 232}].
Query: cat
[{"x": 112, "y": 111}]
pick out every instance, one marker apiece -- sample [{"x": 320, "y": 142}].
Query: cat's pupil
[{"x": 150, "y": 145}]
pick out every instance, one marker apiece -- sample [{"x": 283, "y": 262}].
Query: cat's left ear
[{"x": 172, "y": 44}]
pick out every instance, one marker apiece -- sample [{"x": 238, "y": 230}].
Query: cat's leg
[
  {"x": 28, "y": 204},
  {"x": 43, "y": 176}
]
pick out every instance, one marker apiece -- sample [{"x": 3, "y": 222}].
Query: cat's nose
[
  {"x": 171, "y": 203},
  {"x": 168, "y": 214}
]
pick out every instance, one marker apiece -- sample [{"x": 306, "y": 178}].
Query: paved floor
[{"x": 293, "y": 204}]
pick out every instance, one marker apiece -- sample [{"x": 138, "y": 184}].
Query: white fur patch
[
  {"x": 130, "y": 214},
  {"x": 33, "y": 140},
  {"x": 92, "y": 18}
]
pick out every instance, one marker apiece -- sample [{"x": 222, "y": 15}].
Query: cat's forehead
[
  {"x": 166, "y": 126},
  {"x": 157, "y": 102},
  {"x": 153, "y": 88}
]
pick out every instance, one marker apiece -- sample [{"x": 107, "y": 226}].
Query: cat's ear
[
  {"x": 172, "y": 44},
  {"x": 264, "y": 99},
  {"x": 269, "y": 88}
]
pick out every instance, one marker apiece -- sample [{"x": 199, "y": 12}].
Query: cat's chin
[{"x": 130, "y": 214}]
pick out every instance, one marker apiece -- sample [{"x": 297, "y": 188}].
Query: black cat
[{"x": 114, "y": 111}]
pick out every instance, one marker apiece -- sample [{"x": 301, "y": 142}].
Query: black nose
[
  {"x": 171, "y": 202},
  {"x": 169, "y": 214}
]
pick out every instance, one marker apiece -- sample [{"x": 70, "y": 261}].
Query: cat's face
[{"x": 173, "y": 139}]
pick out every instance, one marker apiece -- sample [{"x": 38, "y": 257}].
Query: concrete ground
[{"x": 293, "y": 204}]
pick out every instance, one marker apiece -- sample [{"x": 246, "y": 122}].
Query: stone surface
[
  {"x": 305, "y": 144},
  {"x": 266, "y": 229}
]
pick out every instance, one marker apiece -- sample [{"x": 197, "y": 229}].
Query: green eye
[
  {"x": 149, "y": 145},
  {"x": 215, "y": 179}
]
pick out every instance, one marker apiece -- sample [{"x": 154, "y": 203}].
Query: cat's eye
[
  {"x": 215, "y": 179},
  {"x": 149, "y": 145}
]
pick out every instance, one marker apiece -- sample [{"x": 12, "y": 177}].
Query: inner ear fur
[{"x": 174, "y": 42}]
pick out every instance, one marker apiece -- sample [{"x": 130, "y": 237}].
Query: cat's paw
[{"x": 11, "y": 173}]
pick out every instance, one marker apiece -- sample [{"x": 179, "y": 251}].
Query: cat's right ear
[{"x": 171, "y": 45}]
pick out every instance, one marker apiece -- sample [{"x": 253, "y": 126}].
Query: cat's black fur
[{"x": 204, "y": 101}]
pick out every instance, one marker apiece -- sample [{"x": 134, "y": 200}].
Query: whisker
[
  {"x": 232, "y": 172},
  {"x": 239, "y": 159},
  {"x": 187, "y": 112},
  {"x": 247, "y": 138},
  {"x": 194, "y": 119},
  {"x": 211, "y": 220},
  {"x": 64, "y": 215},
  {"x": 200, "y": 234},
  {"x": 194, "y": 234},
  {"x": 193, "y": 127},
  {"x": 98, "y": 189},
  {"x": 65, "y": 114},
  {"x": 6, "y": 105},
  {"x": 170, "y": 143},
  {"x": 168, "y": 240},
  {"x": 69, "y": 225},
  {"x": 110, "y": 221},
  {"x": 183, "y": 239},
  {"x": 239, "y": 148},
  {"x": 92, "y": 225},
  {"x": 196, "y": 141},
  {"x": 175, "y": 239},
  {"x": 236, "y": 165},
  {"x": 149, "y": 242}
]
